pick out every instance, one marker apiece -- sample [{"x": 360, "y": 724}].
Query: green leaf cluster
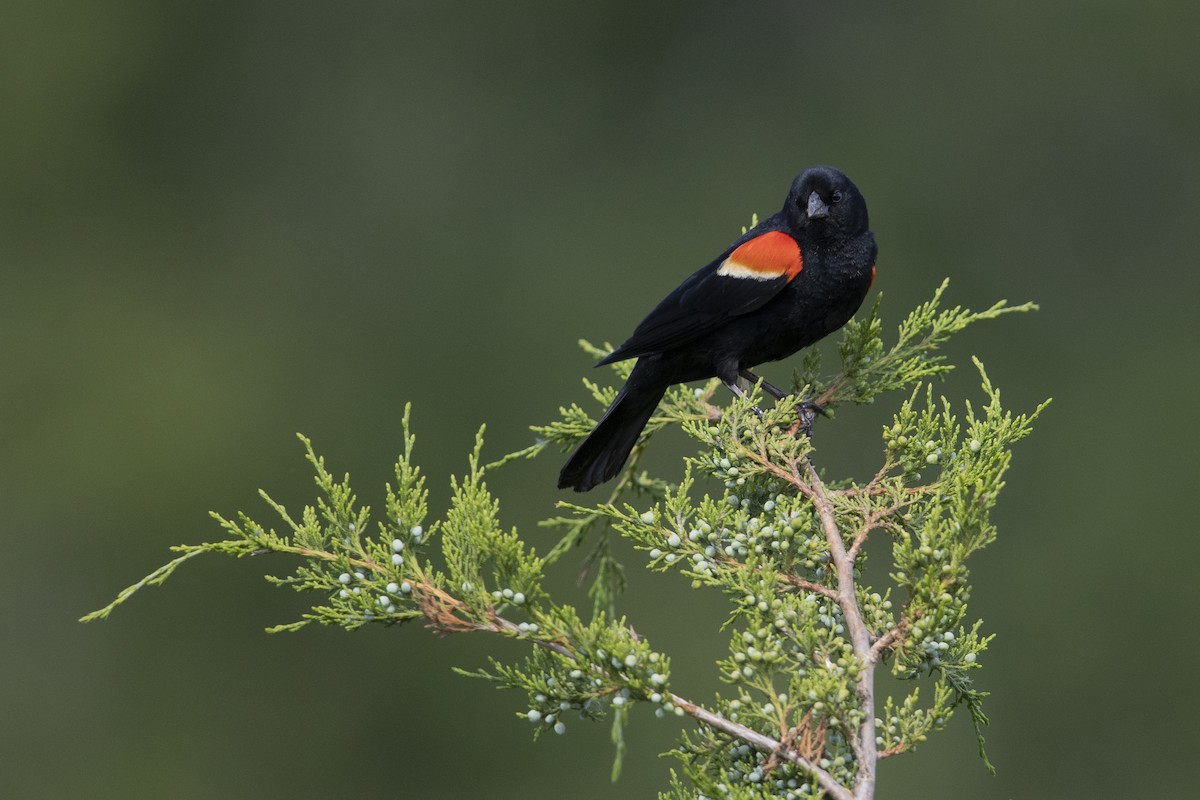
[{"x": 752, "y": 517}]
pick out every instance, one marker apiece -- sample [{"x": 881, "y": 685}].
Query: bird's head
[{"x": 824, "y": 204}]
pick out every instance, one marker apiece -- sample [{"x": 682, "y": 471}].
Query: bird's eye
[{"x": 837, "y": 197}]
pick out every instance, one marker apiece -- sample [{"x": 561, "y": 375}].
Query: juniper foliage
[{"x": 753, "y": 518}]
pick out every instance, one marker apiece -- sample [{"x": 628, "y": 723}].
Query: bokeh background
[{"x": 223, "y": 223}]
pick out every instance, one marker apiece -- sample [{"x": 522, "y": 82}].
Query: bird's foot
[{"x": 807, "y": 412}]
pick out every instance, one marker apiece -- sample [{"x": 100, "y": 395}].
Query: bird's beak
[{"x": 816, "y": 207}]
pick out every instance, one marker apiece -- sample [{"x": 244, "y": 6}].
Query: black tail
[{"x": 601, "y": 455}]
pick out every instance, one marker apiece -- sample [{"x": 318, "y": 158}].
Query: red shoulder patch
[{"x": 768, "y": 257}]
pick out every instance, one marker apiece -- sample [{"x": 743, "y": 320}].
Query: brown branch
[
  {"x": 792, "y": 476},
  {"x": 308, "y": 552},
  {"x": 439, "y": 601},
  {"x": 806, "y": 739},
  {"x": 785, "y": 577},
  {"x": 439, "y": 608},
  {"x": 827, "y": 396},
  {"x": 508, "y": 626},
  {"x": 763, "y": 742},
  {"x": 889, "y": 638},
  {"x": 875, "y": 491},
  {"x": 870, "y": 523},
  {"x": 811, "y": 486},
  {"x": 777, "y": 749},
  {"x": 874, "y": 520},
  {"x": 883, "y": 470},
  {"x": 865, "y": 748},
  {"x": 808, "y": 586}
]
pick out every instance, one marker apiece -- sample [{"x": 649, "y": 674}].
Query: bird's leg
[
  {"x": 740, "y": 393},
  {"x": 806, "y": 410},
  {"x": 774, "y": 391}
]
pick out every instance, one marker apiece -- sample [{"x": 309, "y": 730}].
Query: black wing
[{"x": 739, "y": 281}]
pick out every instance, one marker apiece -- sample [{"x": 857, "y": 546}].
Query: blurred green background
[{"x": 223, "y": 223}]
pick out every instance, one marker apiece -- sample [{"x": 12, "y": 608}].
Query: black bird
[{"x": 789, "y": 281}]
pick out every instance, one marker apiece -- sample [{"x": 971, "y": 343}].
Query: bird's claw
[{"x": 807, "y": 412}]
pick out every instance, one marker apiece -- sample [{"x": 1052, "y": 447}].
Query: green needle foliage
[{"x": 751, "y": 517}]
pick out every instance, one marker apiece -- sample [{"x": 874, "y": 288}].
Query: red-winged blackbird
[{"x": 789, "y": 281}]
